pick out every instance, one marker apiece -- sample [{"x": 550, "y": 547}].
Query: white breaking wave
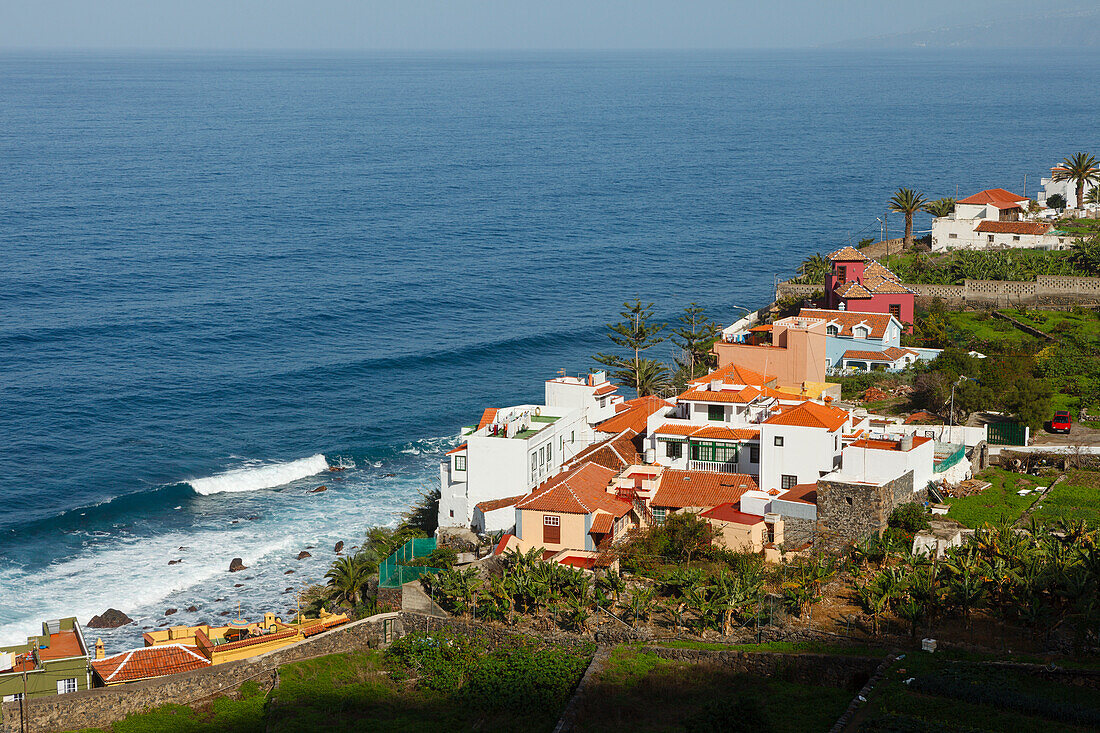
[{"x": 259, "y": 477}]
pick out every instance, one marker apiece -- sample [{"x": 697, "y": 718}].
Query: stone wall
[
  {"x": 791, "y": 290},
  {"x": 102, "y": 706},
  {"x": 1044, "y": 290},
  {"x": 847, "y": 511},
  {"x": 846, "y": 672},
  {"x": 798, "y": 531}
]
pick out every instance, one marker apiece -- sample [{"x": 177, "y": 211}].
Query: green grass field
[
  {"x": 999, "y": 502},
  {"x": 641, "y": 692},
  {"x": 1076, "y": 498},
  {"x": 968, "y": 698}
]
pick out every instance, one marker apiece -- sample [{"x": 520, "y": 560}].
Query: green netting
[
  {"x": 393, "y": 575},
  {"x": 950, "y": 460}
]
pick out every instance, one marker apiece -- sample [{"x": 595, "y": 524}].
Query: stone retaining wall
[
  {"x": 1044, "y": 290},
  {"x": 849, "y": 673},
  {"x": 101, "y": 706}
]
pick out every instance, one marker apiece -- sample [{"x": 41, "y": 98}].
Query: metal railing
[{"x": 713, "y": 466}]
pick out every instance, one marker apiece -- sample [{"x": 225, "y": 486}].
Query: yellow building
[{"x": 240, "y": 639}]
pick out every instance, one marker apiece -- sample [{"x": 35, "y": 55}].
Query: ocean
[{"x": 224, "y": 273}]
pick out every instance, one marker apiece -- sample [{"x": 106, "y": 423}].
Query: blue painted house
[{"x": 850, "y": 331}]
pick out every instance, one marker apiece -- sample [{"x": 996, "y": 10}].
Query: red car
[{"x": 1060, "y": 423}]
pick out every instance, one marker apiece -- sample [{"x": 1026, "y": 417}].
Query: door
[{"x": 551, "y": 530}]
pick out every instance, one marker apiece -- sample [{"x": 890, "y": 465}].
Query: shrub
[
  {"x": 443, "y": 558},
  {"x": 910, "y": 517}
]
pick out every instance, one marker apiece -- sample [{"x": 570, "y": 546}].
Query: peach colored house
[
  {"x": 742, "y": 531},
  {"x": 795, "y": 357}
]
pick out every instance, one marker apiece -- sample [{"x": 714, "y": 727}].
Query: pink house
[{"x": 858, "y": 283}]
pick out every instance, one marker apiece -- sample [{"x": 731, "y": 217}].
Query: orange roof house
[
  {"x": 998, "y": 197},
  {"x": 633, "y": 415},
  {"x": 699, "y": 489},
  {"x": 811, "y": 415},
  {"x": 146, "y": 663}
]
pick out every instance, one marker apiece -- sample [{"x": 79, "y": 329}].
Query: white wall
[
  {"x": 878, "y": 466},
  {"x": 806, "y": 453}
]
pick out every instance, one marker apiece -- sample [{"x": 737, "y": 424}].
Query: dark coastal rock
[
  {"x": 234, "y": 521},
  {"x": 252, "y": 518},
  {"x": 192, "y": 609},
  {"x": 310, "y": 547},
  {"x": 183, "y": 548},
  {"x": 170, "y": 611},
  {"x": 319, "y": 489},
  {"x": 174, "y": 562},
  {"x": 112, "y": 618},
  {"x": 288, "y": 590},
  {"x": 238, "y": 585},
  {"x": 388, "y": 475},
  {"x": 288, "y": 572},
  {"x": 303, "y": 555},
  {"x": 339, "y": 547},
  {"x": 336, "y": 469},
  {"x": 237, "y": 564},
  {"x": 224, "y": 613}
]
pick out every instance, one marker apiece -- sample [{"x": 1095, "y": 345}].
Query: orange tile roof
[
  {"x": 999, "y": 197},
  {"x": 63, "y": 645},
  {"x": 852, "y": 289},
  {"x": 150, "y": 661},
  {"x": 602, "y": 524},
  {"x": 493, "y": 505},
  {"x": 805, "y": 493},
  {"x": 615, "y": 453},
  {"x": 847, "y": 320},
  {"x": 919, "y": 416},
  {"x": 891, "y": 354},
  {"x": 669, "y": 429},
  {"x": 884, "y": 286},
  {"x": 741, "y": 396},
  {"x": 811, "y": 415},
  {"x": 1013, "y": 227},
  {"x": 728, "y": 512},
  {"x": 678, "y": 489},
  {"x": 735, "y": 374},
  {"x": 635, "y": 415},
  {"x": 876, "y": 269},
  {"x": 487, "y": 417},
  {"x": 605, "y": 389},
  {"x": 847, "y": 254},
  {"x": 715, "y": 432},
  {"x": 458, "y": 449},
  {"x": 580, "y": 490},
  {"x": 257, "y": 640}
]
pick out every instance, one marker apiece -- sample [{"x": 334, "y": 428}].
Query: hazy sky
[{"x": 474, "y": 24}]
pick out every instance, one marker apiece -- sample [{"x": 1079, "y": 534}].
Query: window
[
  {"x": 860, "y": 332},
  {"x": 848, "y": 499},
  {"x": 754, "y": 454},
  {"x": 952, "y": 236},
  {"x": 989, "y": 238},
  {"x": 572, "y": 438},
  {"x": 716, "y": 452},
  {"x": 460, "y": 463},
  {"x": 895, "y": 310},
  {"x": 13, "y": 698},
  {"x": 831, "y": 330},
  {"x": 551, "y": 530},
  {"x": 452, "y": 514},
  {"x": 787, "y": 481},
  {"x": 779, "y": 441},
  {"x": 659, "y": 515},
  {"x": 534, "y": 466},
  {"x": 836, "y": 442},
  {"x": 674, "y": 449},
  {"x": 603, "y": 401},
  {"x": 841, "y": 274},
  {"x": 1016, "y": 239},
  {"x": 66, "y": 686},
  {"x": 549, "y": 452},
  {"x": 716, "y": 412}
]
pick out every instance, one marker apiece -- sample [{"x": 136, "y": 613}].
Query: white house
[
  {"x": 877, "y": 460},
  {"x": 800, "y": 444},
  {"x": 1066, "y": 187},
  {"x": 993, "y": 219},
  {"x": 514, "y": 449}
]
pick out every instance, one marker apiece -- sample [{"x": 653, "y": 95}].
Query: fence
[
  {"x": 1007, "y": 433},
  {"x": 951, "y": 453},
  {"x": 393, "y": 575}
]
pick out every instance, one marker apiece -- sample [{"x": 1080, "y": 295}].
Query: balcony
[{"x": 713, "y": 466}]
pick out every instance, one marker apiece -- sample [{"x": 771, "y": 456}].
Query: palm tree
[
  {"x": 813, "y": 269},
  {"x": 907, "y": 201},
  {"x": 940, "y": 207},
  {"x": 651, "y": 376},
  {"x": 347, "y": 576},
  {"x": 1081, "y": 168},
  {"x": 1093, "y": 196}
]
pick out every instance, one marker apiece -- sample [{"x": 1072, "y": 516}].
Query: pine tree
[
  {"x": 695, "y": 336},
  {"x": 635, "y": 333}
]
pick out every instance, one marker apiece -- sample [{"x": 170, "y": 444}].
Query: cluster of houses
[
  {"x": 59, "y": 661},
  {"x": 758, "y": 448}
]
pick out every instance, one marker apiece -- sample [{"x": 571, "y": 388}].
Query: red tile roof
[
  {"x": 891, "y": 354},
  {"x": 1013, "y": 227},
  {"x": 715, "y": 432},
  {"x": 602, "y": 524},
  {"x": 997, "y": 196},
  {"x": 490, "y": 506},
  {"x": 811, "y": 415},
  {"x": 852, "y": 289},
  {"x": 668, "y": 429},
  {"x": 502, "y": 544},
  {"x": 605, "y": 389},
  {"x": 615, "y": 453},
  {"x": 875, "y": 268},
  {"x": 805, "y": 493},
  {"x": 579, "y": 490},
  {"x": 847, "y": 320},
  {"x": 634, "y": 415},
  {"x": 487, "y": 417},
  {"x": 149, "y": 661},
  {"x": 735, "y": 374},
  {"x": 458, "y": 449},
  {"x": 921, "y": 416},
  {"x": 578, "y": 561},
  {"x": 884, "y": 286},
  {"x": 729, "y": 512},
  {"x": 679, "y": 489},
  {"x": 741, "y": 396},
  {"x": 887, "y": 444},
  {"x": 847, "y": 254}
]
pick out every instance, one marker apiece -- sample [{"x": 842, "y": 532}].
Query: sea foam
[{"x": 259, "y": 477}]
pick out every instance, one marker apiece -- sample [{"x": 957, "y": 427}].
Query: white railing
[{"x": 713, "y": 466}]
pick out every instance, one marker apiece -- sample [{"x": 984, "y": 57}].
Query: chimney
[
  {"x": 716, "y": 385},
  {"x": 906, "y": 442},
  {"x": 99, "y": 653}
]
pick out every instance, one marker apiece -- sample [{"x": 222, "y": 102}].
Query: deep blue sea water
[{"x": 221, "y": 263}]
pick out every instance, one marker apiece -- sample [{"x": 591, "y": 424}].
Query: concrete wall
[
  {"x": 806, "y": 453},
  {"x": 847, "y": 511},
  {"x": 797, "y": 354}
]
